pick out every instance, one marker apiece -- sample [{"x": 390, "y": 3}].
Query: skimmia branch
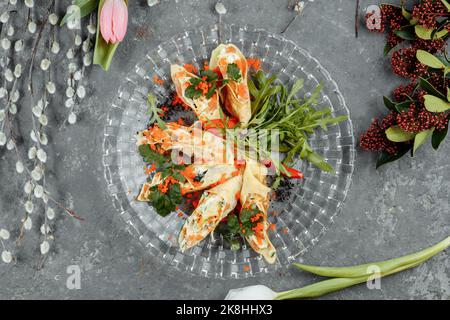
[{"x": 418, "y": 111}]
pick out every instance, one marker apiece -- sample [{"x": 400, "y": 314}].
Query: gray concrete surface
[{"x": 390, "y": 212}]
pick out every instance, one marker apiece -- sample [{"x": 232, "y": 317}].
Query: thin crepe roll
[
  {"x": 255, "y": 195},
  {"x": 236, "y": 94},
  {"x": 198, "y": 177},
  {"x": 204, "y": 146},
  {"x": 215, "y": 204},
  {"x": 205, "y": 109}
]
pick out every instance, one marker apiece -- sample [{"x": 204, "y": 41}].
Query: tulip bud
[
  {"x": 258, "y": 292},
  {"x": 113, "y": 20}
]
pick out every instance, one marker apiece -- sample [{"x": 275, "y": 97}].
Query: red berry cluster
[
  {"x": 418, "y": 119},
  {"x": 401, "y": 93},
  {"x": 374, "y": 139},
  {"x": 405, "y": 64},
  {"x": 427, "y": 12},
  {"x": 432, "y": 46}
]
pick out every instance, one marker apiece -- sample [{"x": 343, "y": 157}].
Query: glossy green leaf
[
  {"x": 389, "y": 104},
  {"x": 430, "y": 60},
  {"x": 446, "y": 71},
  {"x": 435, "y": 104},
  {"x": 385, "y": 157},
  {"x": 403, "y": 106},
  {"x": 397, "y": 134},
  {"x": 446, "y": 4},
  {"x": 426, "y": 34},
  {"x": 438, "y": 136},
  {"x": 406, "y": 14},
  {"x": 429, "y": 88},
  {"x": 406, "y": 33},
  {"x": 103, "y": 52},
  {"x": 387, "y": 49},
  {"x": 420, "y": 138},
  {"x": 86, "y": 7}
]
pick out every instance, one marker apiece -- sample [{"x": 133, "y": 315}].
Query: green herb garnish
[
  {"x": 165, "y": 203},
  {"x": 276, "y": 107},
  {"x": 233, "y": 72},
  {"x": 150, "y": 156},
  {"x": 154, "y": 112}
]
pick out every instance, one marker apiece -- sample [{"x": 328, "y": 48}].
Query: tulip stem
[{"x": 349, "y": 276}]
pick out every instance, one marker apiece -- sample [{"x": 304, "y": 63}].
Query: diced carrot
[
  {"x": 254, "y": 63},
  {"x": 191, "y": 68},
  {"x": 157, "y": 80}
]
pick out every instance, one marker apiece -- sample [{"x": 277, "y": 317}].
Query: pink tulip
[{"x": 113, "y": 20}]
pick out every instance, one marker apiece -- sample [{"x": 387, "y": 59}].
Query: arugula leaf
[
  {"x": 154, "y": 112},
  {"x": 233, "y": 72}
]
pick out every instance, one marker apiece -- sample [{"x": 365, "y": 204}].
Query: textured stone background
[{"x": 398, "y": 209}]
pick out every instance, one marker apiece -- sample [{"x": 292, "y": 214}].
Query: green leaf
[
  {"x": 295, "y": 88},
  {"x": 103, "y": 52},
  {"x": 421, "y": 137},
  {"x": 397, "y": 134},
  {"x": 389, "y": 104},
  {"x": 448, "y": 94},
  {"x": 385, "y": 157},
  {"x": 403, "y": 106},
  {"x": 429, "y": 88},
  {"x": 426, "y": 34},
  {"x": 192, "y": 93},
  {"x": 446, "y": 4},
  {"x": 435, "y": 104},
  {"x": 233, "y": 72},
  {"x": 384, "y": 266},
  {"x": 438, "y": 136},
  {"x": 387, "y": 49},
  {"x": 428, "y": 59},
  {"x": 406, "y": 33},
  {"x": 209, "y": 74},
  {"x": 151, "y": 156},
  {"x": 406, "y": 14},
  {"x": 319, "y": 162},
  {"x": 86, "y": 7},
  {"x": 154, "y": 112}
]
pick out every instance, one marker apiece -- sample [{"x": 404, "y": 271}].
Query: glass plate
[{"x": 300, "y": 221}]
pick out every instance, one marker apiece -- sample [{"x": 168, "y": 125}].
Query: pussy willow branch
[{"x": 34, "y": 51}]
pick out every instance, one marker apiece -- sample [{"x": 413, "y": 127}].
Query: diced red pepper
[{"x": 294, "y": 174}]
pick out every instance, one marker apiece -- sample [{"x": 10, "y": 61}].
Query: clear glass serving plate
[{"x": 300, "y": 221}]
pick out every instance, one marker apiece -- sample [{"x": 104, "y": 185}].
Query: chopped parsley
[
  {"x": 165, "y": 203},
  {"x": 206, "y": 85},
  {"x": 166, "y": 196},
  {"x": 233, "y": 72},
  {"x": 235, "y": 227}
]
